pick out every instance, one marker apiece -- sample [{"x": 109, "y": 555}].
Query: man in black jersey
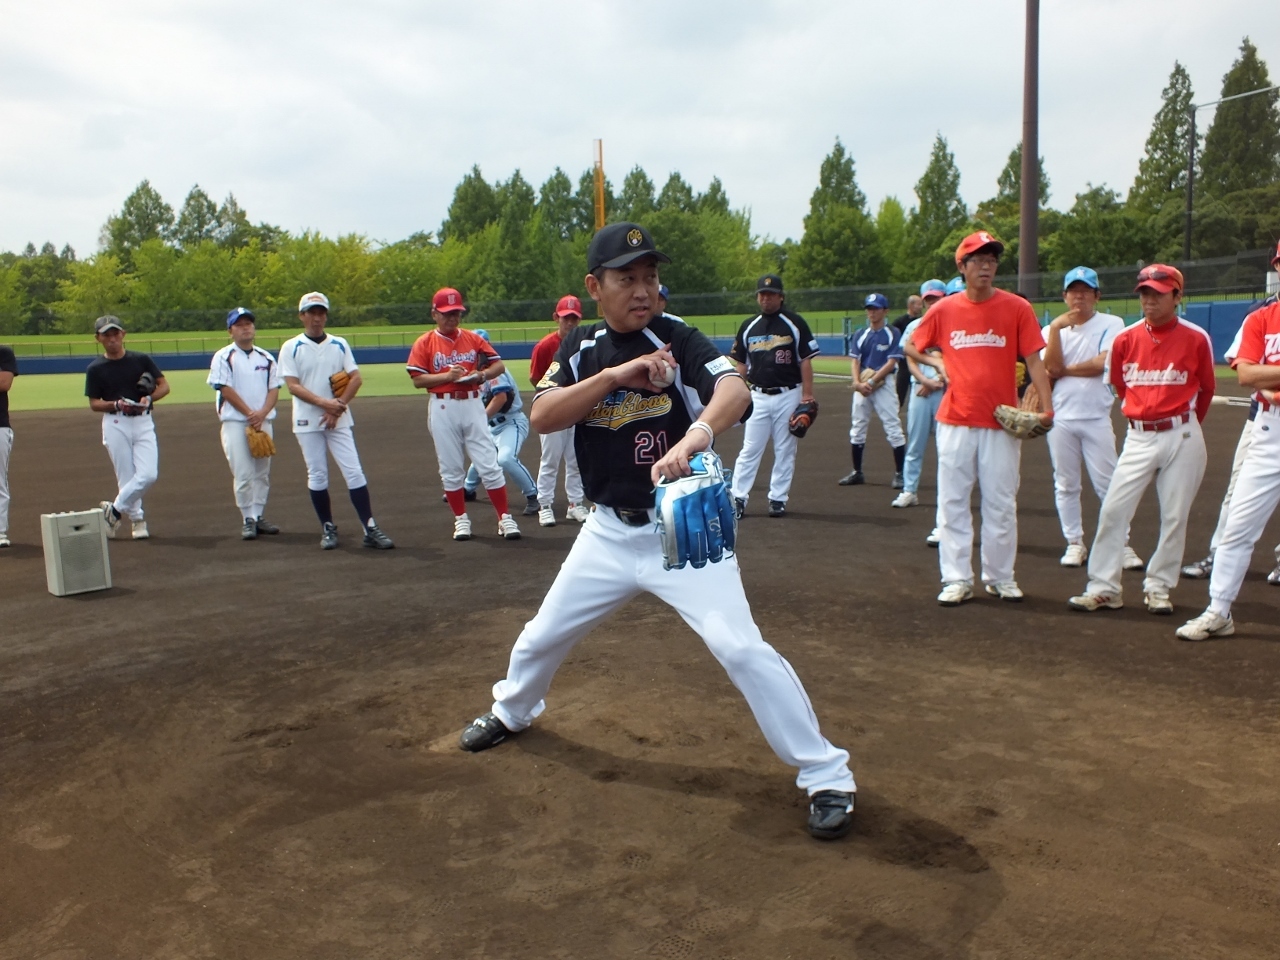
[
  {"x": 630, "y": 431},
  {"x": 774, "y": 350},
  {"x": 117, "y": 389}
]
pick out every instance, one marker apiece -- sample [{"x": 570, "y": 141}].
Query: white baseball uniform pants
[
  {"x": 1072, "y": 443},
  {"x": 1175, "y": 459},
  {"x": 508, "y": 438},
  {"x": 770, "y": 419},
  {"x": 6, "y": 445},
  {"x": 135, "y": 455},
  {"x": 1256, "y": 495},
  {"x": 318, "y": 444},
  {"x": 610, "y": 563},
  {"x": 884, "y": 402},
  {"x": 1242, "y": 449},
  {"x": 556, "y": 447},
  {"x": 991, "y": 458},
  {"x": 251, "y": 479},
  {"x": 460, "y": 429}
]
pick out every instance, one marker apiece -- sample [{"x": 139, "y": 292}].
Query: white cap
[{"x": 313, "y": 299}]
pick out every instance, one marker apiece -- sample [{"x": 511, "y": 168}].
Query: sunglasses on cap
[{"x": 1155, "y": 273}]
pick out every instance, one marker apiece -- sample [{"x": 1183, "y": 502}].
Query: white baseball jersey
[
  {"x": 252, "y": 375},
  {"x": 313, "y": 364},
  {"x": 1084, "y": 398}
]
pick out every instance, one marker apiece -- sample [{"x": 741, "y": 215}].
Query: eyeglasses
[{"x": 983, "y": 260}]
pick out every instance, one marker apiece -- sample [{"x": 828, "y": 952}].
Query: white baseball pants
[
  {"x": 317, "y": 444},
  {"x": 1242, "y": 449},
  {"x": 1175, "y": 459},
  {"x": 884, "y": 402},
  {"x": 1256, "y": 495},
  {"x": 460, "y": 429},
  {"x": 610, "y": 563},
  {"x": 1071, "y": 443},
  {"x": 556, "y": 447},
  {"x": 251, "y": 479},
  {"x": 131, "y": 445},
  {"x": 6, "y": 445},
  {"x": 770, "y": 419},
  {"x": 991, "y": 458}
]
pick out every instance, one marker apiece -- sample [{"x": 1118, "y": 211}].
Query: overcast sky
[{"x": 362, "y": 117}]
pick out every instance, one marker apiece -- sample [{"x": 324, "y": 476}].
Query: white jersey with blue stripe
[{"x": 313, "y": 363}]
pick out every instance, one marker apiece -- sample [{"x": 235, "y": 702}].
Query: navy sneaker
[
  {"x": 483, "y": 733},
  {"x": 831, "y": 814}
]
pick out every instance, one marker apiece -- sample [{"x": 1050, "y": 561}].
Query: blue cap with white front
[
  {"x": 955, "y": 285},
  {"x": 933, "y": 288},
  {"x": 1084, "y": 275},
  {"x": 482, "y": 333},
  {"x": 876, "y": 301},
  {"x": 237, "y": 314}
]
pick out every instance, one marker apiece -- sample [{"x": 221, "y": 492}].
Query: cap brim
[
  {"x": 618, "y": 263},
  {"x": 561, "y": 314},
  {"x": 110, "y": 326},
  {"x": 448, "y": 309},
  {"x": 933, "y": 295},
  {"x": 768, "y": 289},
  {"x": 1159, "y": 286},
  {"x": 314, "y": 306}
]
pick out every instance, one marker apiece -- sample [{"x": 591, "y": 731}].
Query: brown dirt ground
[{"x": 249, "y": 749}]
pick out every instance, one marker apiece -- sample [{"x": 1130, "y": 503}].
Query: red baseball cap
[
  {"x": 975, "y": 242},
  {"x": 569, "y": 306},
  {"x": 1161, "y": 278},
  {"x": 448, "y": 300},
  {"x": 1276, "y": 258}
]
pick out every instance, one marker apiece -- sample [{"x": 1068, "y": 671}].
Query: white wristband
[{"x": 702, "y": 425}]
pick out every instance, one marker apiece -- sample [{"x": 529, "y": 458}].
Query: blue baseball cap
[
  {"x": 955, "y": 285},
  {"x": 237, "y": 314},
  {"x": 1083, "y": 275},
  {"x": 482, "y": 333},
  {"x": 933, "y": 288},
  {"x": 876, "y": 300},
  {"x": 663, "y": 292}
]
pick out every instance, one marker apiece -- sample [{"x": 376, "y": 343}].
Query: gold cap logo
[{"x": 635, "y": 237}]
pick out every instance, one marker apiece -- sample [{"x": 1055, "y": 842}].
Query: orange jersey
[
  {"x": 980, "y": 344},
  {"x": 433, "y": 352}
]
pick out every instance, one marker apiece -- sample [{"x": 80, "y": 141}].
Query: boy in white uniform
[
  {"x": 322, "y": 423},
  {"x": 247, "y": 379}
]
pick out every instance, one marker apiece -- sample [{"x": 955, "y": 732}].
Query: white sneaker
[
  {"x": 110, "y": 517},
  {"x": 4, "y": 541},
  {"x": 1005, "y": 590},
  {"x": 462, "y": 527},
  {"x": 905, "y": 499},
  {"x": 1207, "y": 625},
  {"x": 933, "y": 539},
  {"x": 546, "y": 517},
  {"x": 1089, "y": 602},
  {"x": 1076, "y": 555},
  {"x": 1200, "y": 570},
  {"x": 1131, "y": 560},
  {"x": 507, "y": 528},
  {"x": 1158, "y": 602},
  {"x": 140, "y": 531},
  {"x": 954, "y": 594},
  {"x": 578, "y": 512}
]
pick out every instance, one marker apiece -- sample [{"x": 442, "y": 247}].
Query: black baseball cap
[
  {"x": 103, "y": 324},
  {"x": 771, "y": 282},
  {"x": 619, "y": 244}
]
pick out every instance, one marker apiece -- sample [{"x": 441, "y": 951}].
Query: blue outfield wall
[{"x": 1221, "y": 319}]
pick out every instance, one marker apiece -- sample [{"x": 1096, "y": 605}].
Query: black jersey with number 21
[{"x": 628, "y": 431}]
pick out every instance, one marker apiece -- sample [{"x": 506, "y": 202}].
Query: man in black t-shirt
[
  {"x": 915, "y": 310},
  {"x": 774, "y": 350},
  {"x": 8, "y": 370},
  {"x": 646, "y": 392},
  {"x": 123, "y": 386}
]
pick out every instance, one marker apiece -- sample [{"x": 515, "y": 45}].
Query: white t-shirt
[
  {"x": 1084, "y": 398},
  {"x": 252, "y": 375},
  {"x": 313, "y": 364}
]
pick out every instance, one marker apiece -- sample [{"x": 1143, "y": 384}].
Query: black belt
[
  {"x": 633, "y": 518},
  {"x": 772, "y": 391},
  {"x": 500, "y": 418}
]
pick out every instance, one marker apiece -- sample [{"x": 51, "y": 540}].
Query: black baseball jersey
[
  {"x": 118, "y": 379},
  {"x": 8, "y": 364},
  {"x": 772, "y": 346},
  {"x": 630, "y": 430}
]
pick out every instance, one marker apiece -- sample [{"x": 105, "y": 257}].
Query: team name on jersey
[
  {"x": 622, "y": 407},
  {"x": 1271, "y": 347},
  {"x": 771, "y": 342},
  {"x": 961, "y": 339},
  {"x": 440, "y": 361},
  {"x": 1135, "y": 376}
]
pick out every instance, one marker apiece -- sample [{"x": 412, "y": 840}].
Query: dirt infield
[{"x": 249, "y": 749}]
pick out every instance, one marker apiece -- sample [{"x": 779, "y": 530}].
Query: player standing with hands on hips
[
  {"x": 774, "y": 351},
  {"x": 8, "y": 370},
  {"x": 323, "y": 377},
  {"x": 122, "y": 386},
  {"x": 647, "y": 395},
  {"x": 557, "y": 446},
  {"x": 875, "y": 351},
  {"x": 247, "y": 380},
  {"x": 980, "y": 332},
  {"x": 1161, "y": 368}
]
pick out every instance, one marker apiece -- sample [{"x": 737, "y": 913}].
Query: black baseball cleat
[
  {"x": 329, "y": 539},
  {"x": 739, "y": 508},
  {"x": 532, "y": 507},
  {"x": 265, "y": 526},
  {"x": 374, "y": 537},
  {"x": 831, "y": 814},
  {"x": 777, "y": 508},
  {"x": 483, "y": 733},
  {"x": 853, "y": 479},
  {"x": 898, "y": 481},
  {"x": 250, "y": 529}
]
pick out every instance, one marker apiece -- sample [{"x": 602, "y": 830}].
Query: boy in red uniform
[
  {"x": 1161, "y": 368},
  {"x": 559, "y": 445}
]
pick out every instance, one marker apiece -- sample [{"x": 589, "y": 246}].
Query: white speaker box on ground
[{"x": 75, "y": 552}]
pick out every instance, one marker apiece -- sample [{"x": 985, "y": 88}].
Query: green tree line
[{"x": 506, "y": 242}]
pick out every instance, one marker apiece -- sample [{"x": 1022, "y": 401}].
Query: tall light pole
[
  {"x": 599, "y": 184},
  {"x": 1029, "y": 229}
]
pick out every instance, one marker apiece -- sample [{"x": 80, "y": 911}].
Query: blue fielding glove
[{"x": 695, "y": 515}]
